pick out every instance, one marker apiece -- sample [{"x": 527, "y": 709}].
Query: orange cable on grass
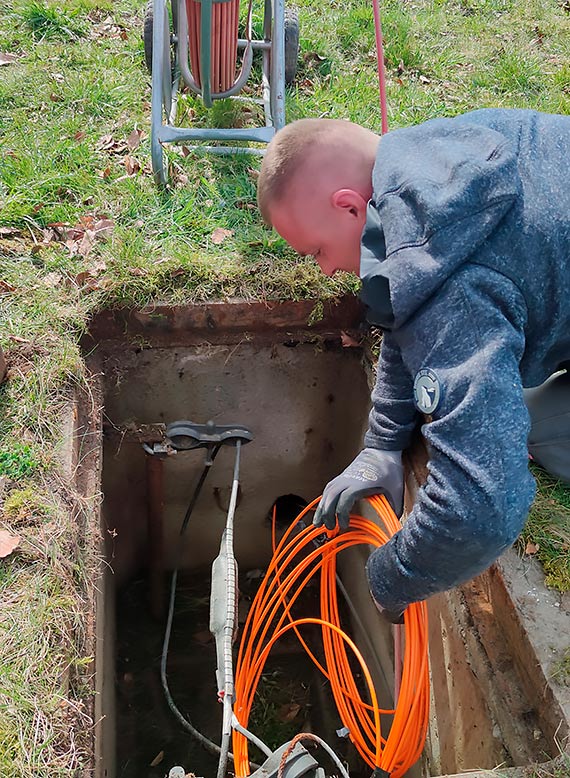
[{"x": 270, "y": 612}]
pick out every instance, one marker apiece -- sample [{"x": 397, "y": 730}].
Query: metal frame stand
[{"x": 167, "y": 72}]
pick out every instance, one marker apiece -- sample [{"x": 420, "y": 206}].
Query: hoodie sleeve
[
  {"x": 393, "y": 416},
  {"x": 479, "y": 489}
]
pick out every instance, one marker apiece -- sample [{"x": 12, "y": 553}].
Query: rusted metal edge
[{"x": 223, "y": 321}]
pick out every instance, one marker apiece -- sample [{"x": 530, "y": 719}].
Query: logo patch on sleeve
[{"x": 427, "y": 391}]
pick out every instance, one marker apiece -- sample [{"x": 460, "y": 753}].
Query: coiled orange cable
[{"x": 295, "y": 561}]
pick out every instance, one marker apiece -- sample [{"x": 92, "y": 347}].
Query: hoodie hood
[{"x": 439, "y": 190}]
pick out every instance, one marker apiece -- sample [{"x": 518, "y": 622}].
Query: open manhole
[{"x": 305, "y": 397}]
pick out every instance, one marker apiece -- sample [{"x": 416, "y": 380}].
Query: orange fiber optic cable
[{"x": 296, "y": 559}]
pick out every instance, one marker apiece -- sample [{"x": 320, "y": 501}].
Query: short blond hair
[{"x": 289, "y": 151}]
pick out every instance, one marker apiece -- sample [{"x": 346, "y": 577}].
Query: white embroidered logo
[{"x": 427, "y": 391}]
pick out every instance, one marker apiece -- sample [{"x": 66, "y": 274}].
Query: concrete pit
[{"x": 305, "y": 397}]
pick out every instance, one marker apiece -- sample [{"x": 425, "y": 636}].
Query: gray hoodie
[{"x": 465, "y": 264}]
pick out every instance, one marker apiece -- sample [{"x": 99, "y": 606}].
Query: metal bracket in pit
[{"x": 299, "y": 763}]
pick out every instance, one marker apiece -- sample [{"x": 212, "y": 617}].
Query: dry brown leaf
[
  {"x": 82, "y": 277},
  {"x": 531, "y": 548},
  {"x": 103, "y": 228},
  {"x": 8, "y": 543},
  {"x": 7, "y": 59},
  {"x": 288, "y": 711},
  {"x": 180, "y": 179},
  {"x": 105, "y": 173},
  {"x": 134, "y": 139},
  {"x": 52, "y": 279},
  {"x": 6, "y": 232},
  {"x": 82, "y": 247},
  {"x": 132, "y": 165},
  {"x": 157, "y": 759},
  {"x": 108, "y": 143},
  {"x": 220, "y": 234},
  {"x": 6, "y": 287},
  {"x": 79, "y": 135}
]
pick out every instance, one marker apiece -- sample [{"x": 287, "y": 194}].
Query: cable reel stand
[{"x": 194, "y": 44}]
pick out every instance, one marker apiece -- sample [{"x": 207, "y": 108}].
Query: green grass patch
[
  {"x": 561, "y": 669},
  {"x": 18, "y": 461},
  {"x": 47, "y": 22},
  {"x": 548, "y": 529}
]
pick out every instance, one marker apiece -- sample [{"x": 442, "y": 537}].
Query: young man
[{"x": 460, "y": 231}]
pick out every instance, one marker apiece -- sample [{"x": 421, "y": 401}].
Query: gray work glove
[{"x": 372, "y": 472}]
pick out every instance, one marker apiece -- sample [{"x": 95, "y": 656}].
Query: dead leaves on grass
[
  {"x": 104, "y": 26},
  {"x": 117, "y": 147},
  {"x": 21, "y": 357},
  {"x": 7, "y": 59},
  {"x": 82, "y": 237},
  {"x": 123, "y": 147},
  {"x": 219, "y": 235}
]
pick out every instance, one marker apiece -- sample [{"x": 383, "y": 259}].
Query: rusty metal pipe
[{"x": 155, "y": 559}]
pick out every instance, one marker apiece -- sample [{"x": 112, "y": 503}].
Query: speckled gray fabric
[{"x": 465, "y": 264}]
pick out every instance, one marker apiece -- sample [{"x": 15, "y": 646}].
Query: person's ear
[{"x": 350, "y": 201}]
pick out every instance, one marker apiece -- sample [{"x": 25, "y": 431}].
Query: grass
[
  {"x": 74, "y": 124},
  {"x": 558, "y": 768},
  {"x": 18, "y": 461},
  {"x": 280, "y": 708},
  {"x": 548, "y": 530},
  {"x": 44, "y": 718},
  {"x": 561, "y": 669}
]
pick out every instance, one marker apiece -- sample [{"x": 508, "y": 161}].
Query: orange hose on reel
[
  {"x": 270, "y": 617},
  {"x": 223, "y": 43}
]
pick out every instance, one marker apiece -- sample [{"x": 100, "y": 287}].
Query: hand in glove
[{"x": 372, "y": 472}]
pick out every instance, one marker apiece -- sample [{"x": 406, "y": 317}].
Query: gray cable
[
  {"x": 250, "y": 736},
  {"x": 209, "y": 745},
  {"x": 334, "y": 757},
  {"x": 229, "y": 627}
]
